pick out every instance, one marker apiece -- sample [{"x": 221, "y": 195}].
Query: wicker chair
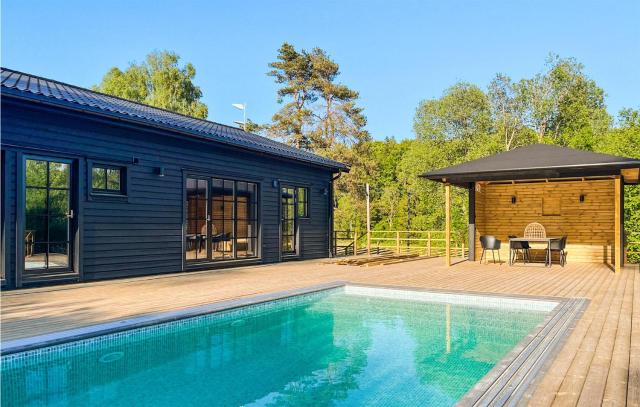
[{"x": 535, "y": 230}]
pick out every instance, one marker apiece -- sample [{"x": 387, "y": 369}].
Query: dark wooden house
[{"x": 97, "y": 187}]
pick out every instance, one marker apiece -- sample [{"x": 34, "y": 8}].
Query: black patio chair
[
  {"x": 216, "y": 240},
  {"x": 490, "y": 243},
  {"x": 559, "y": 245},
  {"x": 520, "y": 247}
]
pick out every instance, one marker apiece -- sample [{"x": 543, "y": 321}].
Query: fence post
[
  {"x": 462, "y": 254},
  {"x": 397, "y": 242},
  {"x": 429, "y": 243},
  {"x": 355, "y": 242}
]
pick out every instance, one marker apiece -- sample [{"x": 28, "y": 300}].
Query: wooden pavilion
[{"x": 578, "y": 194}]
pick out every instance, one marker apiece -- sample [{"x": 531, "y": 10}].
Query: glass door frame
[
  {"x": 210, "y": 259},
  {"x": 72, "y": 271},
  {"x": 198, "y": 241},
  {"x": 296, "y": 222}
]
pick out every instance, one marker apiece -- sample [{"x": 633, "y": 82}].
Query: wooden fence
[{"x": 430, "y": 243}]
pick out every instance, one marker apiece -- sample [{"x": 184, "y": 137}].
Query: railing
[
  {"x": 344, "y": 242},
  {"x": 430, "y": 243}
]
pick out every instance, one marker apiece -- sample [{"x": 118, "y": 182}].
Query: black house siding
[{"x": 143, "y": 234}]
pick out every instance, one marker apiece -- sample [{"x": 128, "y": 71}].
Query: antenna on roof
[{"x": 243, "y": 107}]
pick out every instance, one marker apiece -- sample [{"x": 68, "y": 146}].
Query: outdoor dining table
[{"x": 546, "y": 240}]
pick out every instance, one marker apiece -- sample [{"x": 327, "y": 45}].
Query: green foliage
[
  {"x": 624, "y": 140},
  {"x": 559, "y": 106},
  {"x": 159, "y": 82},
  {"x": 564, "y": 106}
]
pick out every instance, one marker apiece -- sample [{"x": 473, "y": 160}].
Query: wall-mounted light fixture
[
  {"x": 160, "y": 171},
  {"x": 514, "y": 199},
  {"x": 582, "y": 197},
  {"x": 325, "y": 191},
  {"x": 275, "y": 183},
  {"x": 135, "y": 160}
]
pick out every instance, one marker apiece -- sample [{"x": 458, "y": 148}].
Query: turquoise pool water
[{"x": 327, "y": 348}]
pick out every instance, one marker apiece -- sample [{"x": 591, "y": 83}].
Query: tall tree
[
  {"x": 293, "y": 71},
  {"x": 321, "y": 115},
  {"x": 461, "y": 117},
  {"x": 339, "y": 119},
  {"x": 318, "y": 112},
  {"x": 159, "y": 81},
  {"x": 508, "y": 107},
  {"x": 564, "y": 106}
]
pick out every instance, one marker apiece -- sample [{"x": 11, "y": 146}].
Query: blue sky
[{"x": 394, "y": 53}]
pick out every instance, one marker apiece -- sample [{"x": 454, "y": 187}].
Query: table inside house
[{"x": 546, "y": 240}]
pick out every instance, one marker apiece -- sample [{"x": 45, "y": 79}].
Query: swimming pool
[{"x": 339, "y": 345}]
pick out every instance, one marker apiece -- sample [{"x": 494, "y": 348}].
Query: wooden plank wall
[{"x": 589, "y": 225}]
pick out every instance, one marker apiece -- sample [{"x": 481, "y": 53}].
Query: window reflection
[
  {"x": 107, "y": 179},
  {"x": 196, "y": 244},
  {"x": 222, "y": 235},
  {"x": 46, "y": 215}
]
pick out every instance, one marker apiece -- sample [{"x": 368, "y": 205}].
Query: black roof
[
  {"x": 534, "y": 161},
  {"x": 35, "y": 88}
]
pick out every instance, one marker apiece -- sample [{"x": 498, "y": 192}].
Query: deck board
[{"x": 599, "y": 362}]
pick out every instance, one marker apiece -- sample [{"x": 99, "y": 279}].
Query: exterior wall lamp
[
  {"x": 514, "y": 199},
  {"x": 582, "y": 197}
]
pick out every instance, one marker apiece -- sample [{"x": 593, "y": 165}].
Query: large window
[{"x": 223, "y": 223}]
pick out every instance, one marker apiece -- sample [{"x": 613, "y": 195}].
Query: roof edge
[
  {"x": 43, "y": 100},
  {"x": 620, "y": 165}
]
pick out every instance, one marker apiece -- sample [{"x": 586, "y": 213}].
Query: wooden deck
[{"x": 599, "y": 364}]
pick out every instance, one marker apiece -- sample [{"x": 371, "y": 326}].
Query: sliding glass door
[
  {"x": 197, "y": 217},
  {"x": 48, "y": 217},
  {"x": 221, "y": 219}
]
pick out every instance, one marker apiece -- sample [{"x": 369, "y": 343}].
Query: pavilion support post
[
  {"x": 472, "y": 222},
  {"x": 447, "y": 221},
  {"x": 368, "y": 221},
  {"x": 618, "y": 219}
]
